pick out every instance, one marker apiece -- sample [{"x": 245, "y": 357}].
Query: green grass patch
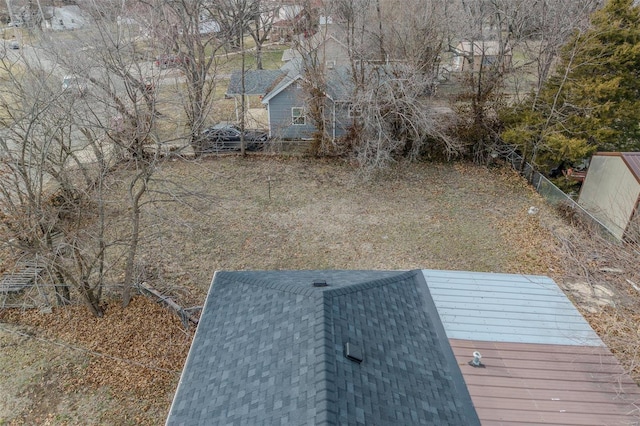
[{"x": 271, "y": 60}]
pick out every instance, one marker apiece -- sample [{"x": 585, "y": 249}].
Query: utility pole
[{"x": 243, "y": 101}]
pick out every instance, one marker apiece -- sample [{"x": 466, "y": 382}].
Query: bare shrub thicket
[
  {"x": 396, "y": 120},
  {"x": 47, "y": 188}
]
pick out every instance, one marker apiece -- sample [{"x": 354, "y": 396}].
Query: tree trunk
[
  {"x": 259, "y": 56},
  {"x": 134, "y": 238}
]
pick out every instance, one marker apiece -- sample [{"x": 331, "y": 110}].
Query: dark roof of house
[
  {"x": 339, "y": 85},
  {"x": 270, "y": 349},
  {"x": 257, "y": 82}
]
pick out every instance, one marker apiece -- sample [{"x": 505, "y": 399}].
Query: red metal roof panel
[
  {"x": 632, "y": 159},
  {"x": 547, "y": 384}
]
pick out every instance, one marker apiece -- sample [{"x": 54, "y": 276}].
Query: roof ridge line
[
  {"x": 325, "y": 367},
  {"x": 340, "y": 291},
  {"x": 310, "y": 290}
]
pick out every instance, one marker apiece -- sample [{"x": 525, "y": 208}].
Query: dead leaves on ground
[{"x": 138, "y": 350}]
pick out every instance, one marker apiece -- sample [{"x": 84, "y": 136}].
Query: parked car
[
  {"x": 171, "y": 61},
  {"x": 226, "y": 137},
  {"x": 13, "y": 44}
]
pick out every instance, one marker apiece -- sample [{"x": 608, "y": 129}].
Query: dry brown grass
[
  {"x": 272, "y": 213},
  {"x": 267, "y": 212}
]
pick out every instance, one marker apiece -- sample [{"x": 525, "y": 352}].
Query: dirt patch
[
  {"x": 591, "y": 298},
  {"x": 266, "y": 213}
]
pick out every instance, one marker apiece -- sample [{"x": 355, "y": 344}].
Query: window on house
[
  {"x": 297, "y": 116},
  {"x": 489, "y": 60},
  {"x": 355, "y": 111}
]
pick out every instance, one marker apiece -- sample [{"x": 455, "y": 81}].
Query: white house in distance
[
  {"x": 64, "y": 18},
  {"x": 484, "y": 53},
  {"x": 611, "y": 192}
]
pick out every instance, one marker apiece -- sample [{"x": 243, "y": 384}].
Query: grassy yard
[
  {"x": 266, "y": 213},
  {"x": 271, "y": 60}
]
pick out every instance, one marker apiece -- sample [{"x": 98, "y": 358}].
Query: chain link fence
[{"x": 555, "y": 196}]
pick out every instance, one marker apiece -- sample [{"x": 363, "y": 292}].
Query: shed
[
  {"x": 611, "y": 192},
  {"x": 397, "y": 347}
]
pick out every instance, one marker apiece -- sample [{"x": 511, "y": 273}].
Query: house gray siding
[
  {"x": 342, "y": 119},
  {"x": 281, "y": 121},
  {"x": 280, "y": 115}
]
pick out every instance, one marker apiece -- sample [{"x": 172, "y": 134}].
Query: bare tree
[
  {"x": 65, "y": 145},
  {"x": 394, "y": 66},
  {"x": 261, "y": 17},
  {"x": 548, "y": 27},
  {"x": 498, "y": 32},
  {"x": 48, "y": 186},
  {"x": 188, "y": 30},
  {"x": 351, "y": 17},
  {"x": 240, "y": 17}
]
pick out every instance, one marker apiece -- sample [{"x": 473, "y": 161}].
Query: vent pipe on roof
[
  {"x": 353, "y": 352},
  {"x": 475, "y": 362},
  {"x": 320, "y": 283}
]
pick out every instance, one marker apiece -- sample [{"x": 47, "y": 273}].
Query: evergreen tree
[{"x": 593, "y": 100}]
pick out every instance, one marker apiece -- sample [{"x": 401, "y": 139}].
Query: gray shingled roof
[
  {"x": 340, "y": 84},
  {"x": 257, "y": 82},
  {"x": 269, "y": 349}
]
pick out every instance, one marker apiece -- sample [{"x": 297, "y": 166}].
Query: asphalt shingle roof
[
  {"x": 270, "y": 350},
  {"x": 256, "y": 82}
]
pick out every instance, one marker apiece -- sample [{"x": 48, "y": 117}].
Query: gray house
[
  {"x": 286, "y": 105},
  {"x": 423, "y": 347},
  {"x": 284, "y": 97}
]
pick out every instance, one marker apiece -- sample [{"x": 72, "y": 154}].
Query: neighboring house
[
  {"x": 284, "y": 96},
  {"x": 471, "y": 56},
  {"x": 287, "y": 107},
  {"x": 397, "y": 347},
  {"x": 289, "y": 21},
  {"x": 611, "y": 192},
  {"x": 321, "y": 50},
  {"x": 67, "y": 18},
  {"x": 209, "y": 26}
]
